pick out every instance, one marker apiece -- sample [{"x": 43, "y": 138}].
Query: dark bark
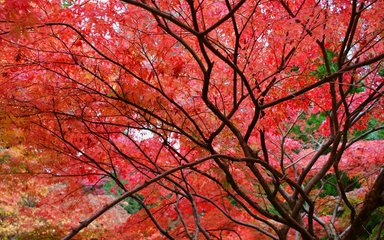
[{"x": 373, "y": 200}]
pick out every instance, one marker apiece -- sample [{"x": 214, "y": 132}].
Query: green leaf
[
  {"x": 356, "y": 89},
  {"x": 377, "y": 135},
  {"x": 310, "y": 126},
  {"x": 273, "y": 210},
  {"x": 131, "y": 205},
  {"x": 381, "y": 72},
  {"x": 108, "y": 186},
  {"x": 321, "y": 71},
  {"x": 66, "y": 3},
  {"x": 372, "y": 226},
  {"x": 234, "y": 202},
  {"x": 329, "y": 184},
  {"x": 294, "y": 69}
]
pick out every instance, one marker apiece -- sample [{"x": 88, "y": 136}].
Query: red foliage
[{"x": 217, "y": 119}]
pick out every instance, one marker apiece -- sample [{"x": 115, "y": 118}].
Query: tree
[{"x": 203, "y": 119}]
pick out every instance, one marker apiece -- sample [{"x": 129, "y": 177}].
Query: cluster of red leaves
[{"x": 111, "y": 91}]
